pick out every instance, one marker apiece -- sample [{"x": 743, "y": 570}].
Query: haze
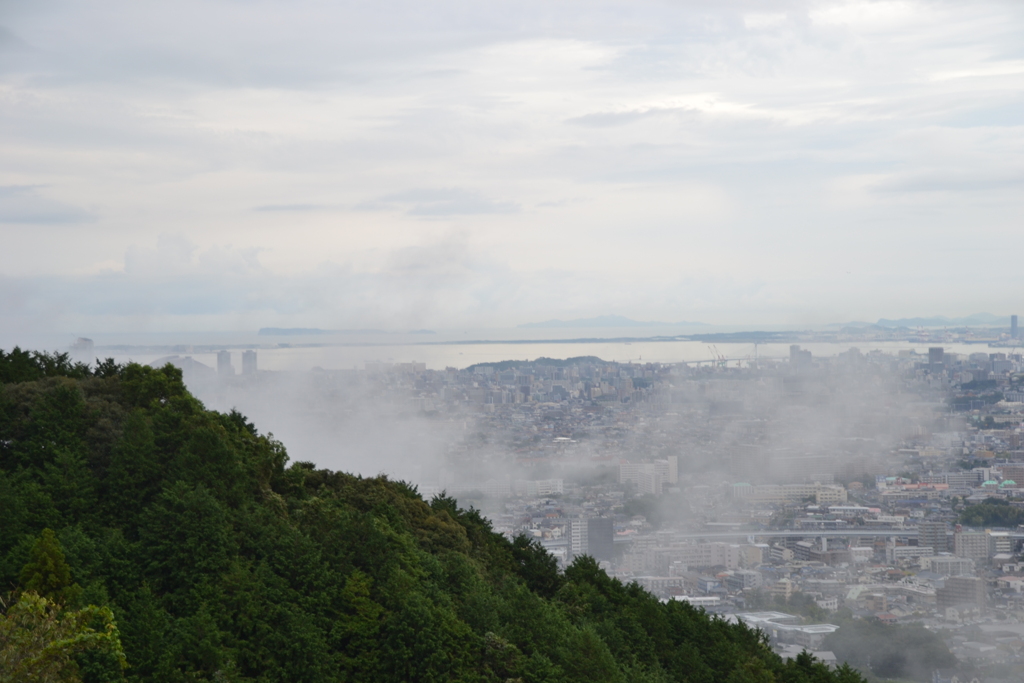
[{"x": 230, "y": 165}]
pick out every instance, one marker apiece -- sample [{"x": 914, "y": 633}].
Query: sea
[{"x": 299, "y": 352}]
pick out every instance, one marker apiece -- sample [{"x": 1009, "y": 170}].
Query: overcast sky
[{"x": 229, "y": 165}]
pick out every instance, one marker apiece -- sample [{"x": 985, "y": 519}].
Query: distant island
[
  {"x": 290, "y": 331},
  {"x": 606, "y": 321},
  {"x": 977, "y": 319},
  {"x": 974, "y": 320},
  {"x": 296, "y": 331}
]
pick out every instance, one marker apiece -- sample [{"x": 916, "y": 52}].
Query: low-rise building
[
  {"x": 897, "y": 553},
  {"x": 948, "y": 565}
]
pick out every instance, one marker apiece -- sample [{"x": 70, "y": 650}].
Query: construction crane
[
  {"x": 752, "y": 358},
  {"x": 720, "y": 360}
]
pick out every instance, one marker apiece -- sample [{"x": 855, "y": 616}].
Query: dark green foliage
[
  {"x": 992, "y": 512},
  {"x": 26, "y": 366},
  {"x": 222, "y": 562},
  {"x": 47, "y": 573},
  {"x": 536, "y": 566}
]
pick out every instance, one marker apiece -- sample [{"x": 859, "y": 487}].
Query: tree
[
  {"x": 751, "y": 671},
  {"x": 223, "y": 563},
  {"x": 25, "y": 366},
  {"x": 536, "y": 566},
  {"x": 992, "y": 512},
  {"x": 47, "y": 573},
  {"x": 39, "y": 643}
]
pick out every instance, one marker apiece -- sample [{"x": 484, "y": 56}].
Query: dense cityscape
[
  {"x": 511, "y": 342},
  {"x": 799, "y": 495}
]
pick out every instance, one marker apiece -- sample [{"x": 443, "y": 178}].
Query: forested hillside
[{"x": 220, "y": 561}]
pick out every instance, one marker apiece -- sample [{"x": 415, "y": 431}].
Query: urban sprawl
[{"x": 889, "y": 486}]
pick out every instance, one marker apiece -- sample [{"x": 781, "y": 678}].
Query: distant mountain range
[
  {"x": 975, "y": 320},
  {"x": 607, "y": 321},
  {"x": 620, "y": 321},
  {"x": 293, "y": 331}
]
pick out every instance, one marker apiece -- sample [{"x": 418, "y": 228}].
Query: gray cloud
[
  {"x": 429, "y": 202},
  {"x": 952, "y": 180},
  {"x": 438, "y": 283},
  {"x": 289, "y": 207},
  {"x": 9, "y": 41},
  {"x": 717, "y": 157},
  {"x": 24, "y": 204}
]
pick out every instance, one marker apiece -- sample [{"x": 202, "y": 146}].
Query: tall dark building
[
  {"x": 936, "y": 356},
  {"x": 600, "y": 538},
  {"x": 932, "y": 534},
  {"x": 224, "y": 367},
  {"x": 249, "y": 362},
  {"x": 1013, "y": 326}
]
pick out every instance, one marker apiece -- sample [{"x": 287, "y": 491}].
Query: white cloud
[
  {"x": 597, "y": 150},
  {"x": 1014, "y": 67},
  {"x": 877, "y": 15},
  {"x": 764, "y": 20}
]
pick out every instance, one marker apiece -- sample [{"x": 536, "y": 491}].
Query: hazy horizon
[{"x": 227, "y": 166}]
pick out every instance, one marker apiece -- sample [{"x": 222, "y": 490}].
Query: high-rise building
[
  {"x": 650, "y": 477},
  {"x": 1014, "y": 472},
  {"x": 1000, "y": 542},
  {"x": 971, "y": 544},
  {"x": 936, "y": 356},
  {"x": 961, "y": 591},
  {"x": 932, "y": 533},
  {"x": 1013, "y": 326},
  {"x": 964, "y": 479},
  {"x": 600, "y": 538},
  {"x": 579, "y": 543},
  {"x": 799, "y": 358},
  {"x": 650, "y": 483},
  {"x": 224, "y": 367},
  {"x": 249, "y": 362},
  {"x": 672, "y": 475}
]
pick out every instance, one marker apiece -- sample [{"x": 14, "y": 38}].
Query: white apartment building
[
  {"x": 822, "y": 494},
  {"x": 650, "y": 477},
  {"x": 948, "y": 565}
]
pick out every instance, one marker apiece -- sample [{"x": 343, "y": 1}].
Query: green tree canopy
[
  {"x": 223, "y": 562},
  {"x": 40, "y": 643},
  {"x": 47, "y": 573},
  {"x": 992, "y": 512}
]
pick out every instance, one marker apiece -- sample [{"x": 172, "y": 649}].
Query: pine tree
[{"x": 47, "y": 572}]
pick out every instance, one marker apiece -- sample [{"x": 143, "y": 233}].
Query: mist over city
[{"x": 649, "y": 341}]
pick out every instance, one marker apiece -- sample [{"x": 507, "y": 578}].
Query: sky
[{"x": 229, "y": 165}]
